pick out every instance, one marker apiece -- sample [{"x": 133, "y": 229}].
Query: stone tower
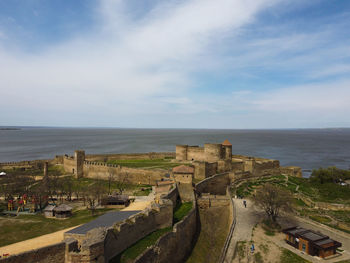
[
  {"x": 227, "y": 150},
  {"x": 79, "y": 158},
  {"x": 46, "y": 168}
]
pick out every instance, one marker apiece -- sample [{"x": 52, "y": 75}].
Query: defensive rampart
[
  {"x": 49, "y": 254},
  {"x": 121, "y": 173},
  {"x": 215, "y": 185},
  {"x": 130, "y": 156},
  {"x": 102, "y": 244},
  {"x": 176, "y": 245}
]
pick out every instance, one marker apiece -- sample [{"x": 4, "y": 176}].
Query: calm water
[{"x": 306, "y": 148}]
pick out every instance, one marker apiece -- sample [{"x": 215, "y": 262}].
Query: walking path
[{"x": 246, "y": 219}]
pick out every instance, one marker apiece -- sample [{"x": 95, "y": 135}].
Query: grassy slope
[
  {"x": 214, "y": 229},
  {"x": 135, "y": 250},
  {"x": 181, "y": 210},
  {"x": 24, "y": 227}
]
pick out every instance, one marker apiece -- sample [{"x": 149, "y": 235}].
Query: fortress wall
[
  {"x": 211, "y": 169},
  {"x": 213, "y": 152},
  {"x": 131, "y": 156},
  {"x": 172, "y": 195},
  {"x": 25, "y": 164},
  {"x": 215, "y": 185},
  {"x": 104, "y": 244},
  {"x": 131, "y": 175},
  {"x": 196, "y": 153},
  {"x": 292, "y": 171},
  {"x": 181, "y": 152},
  {"x": 176, "y": 245},
  {"x": 49, "y": 254},
  {"x": 69, "y": 164},
  {"x": 199, "y": 170}
]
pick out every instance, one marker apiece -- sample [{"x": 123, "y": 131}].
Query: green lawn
[
  {"x": 135, "y": 250},
  {"x": 290, "y": 257},
  {"x": 145, "y": 163},
  {"x": 23, "y": 227},
  {"x": 327, "y": 192},
  {"x": 181, "y": 210}
]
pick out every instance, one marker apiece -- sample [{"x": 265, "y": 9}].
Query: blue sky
[{"x": 175, "y": 64}]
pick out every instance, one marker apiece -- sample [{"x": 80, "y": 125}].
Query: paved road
[{"x": 246, "y": 219}]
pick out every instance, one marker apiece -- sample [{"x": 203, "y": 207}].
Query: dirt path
[
  {"x": 34, "y": 243},
  {"x": 246, "y": 219}
]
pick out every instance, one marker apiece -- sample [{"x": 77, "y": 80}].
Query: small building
[
  {"x": 115, "y": 201},
  {"x": 63, "y": 211},
  {"x": 49, "y": 211},
  {"x": 310, "y": 242},
  {"x": 183, "y": 174}
]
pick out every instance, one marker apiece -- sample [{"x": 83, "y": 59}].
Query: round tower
[
  {"x": 181, "y": 152},
  {"x": 227, "y": 149}
]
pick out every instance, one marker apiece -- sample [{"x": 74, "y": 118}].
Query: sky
[{"x": 231, "y": 64}]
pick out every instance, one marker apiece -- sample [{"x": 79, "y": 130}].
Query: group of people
[{"x": 21, "y": 203}]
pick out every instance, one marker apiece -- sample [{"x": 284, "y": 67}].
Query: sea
[{"x": 307, "y": 148}]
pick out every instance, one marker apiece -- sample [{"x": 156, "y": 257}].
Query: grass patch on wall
[
  {"x": 23, "y": 227},
  {"x": 181, "y": 210},
  {"x": 290, "y": 257},
  {"x": 131, "y": 253}
]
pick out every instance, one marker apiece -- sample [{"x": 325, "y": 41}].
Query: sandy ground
[{"x": 45, "y": 240}]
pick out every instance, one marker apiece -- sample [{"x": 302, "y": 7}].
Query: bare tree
[
  {"x": 111, "y": 178},
  {"x": 93, "y": 194},
  {"x": 121, "y": 183},
  {"x": 273, "y": 200}
]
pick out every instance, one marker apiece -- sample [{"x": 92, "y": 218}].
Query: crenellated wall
[
  {"x": 129, "y": 156},
  {"x": 131, "y": 175}
]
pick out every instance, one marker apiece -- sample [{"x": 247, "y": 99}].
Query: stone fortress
[
  {"x": 203, "y": 178},
  {"x": 207, "y": 161}
]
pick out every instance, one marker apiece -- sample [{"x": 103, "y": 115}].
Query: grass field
[
  {"x": 327, "y": 192},
  {"x": 290, "y": 257},
  {"x": 145, "y": 163},
  {"x": 23, "y": 227},
  {"x": 181, "y": 210},
  {"x": 135, "y": 250}
]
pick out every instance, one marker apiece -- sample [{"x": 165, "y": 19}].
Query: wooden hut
[
  {"x": 49, "y": 211},
  {"x": 115, "y": 201},
  {"x": 63, "y": 211},
  {"x": 310, "y": 242}
]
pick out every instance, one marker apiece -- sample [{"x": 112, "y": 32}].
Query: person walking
[{"x": 245, "y": 203}]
